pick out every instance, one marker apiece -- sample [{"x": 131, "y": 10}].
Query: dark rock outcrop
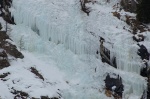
[
  {"x": 148, "y": 88},
  {"x": 105, "y": 54},
  {"x": 5, "y": 13},
  {"x": 4, "y": 75},
  {"x": 19, "y": 94},
  {"x": 8, "y": 47},
  {"x": 116, "y": 14},
  {"x": 12, "y": 50},
  {"x": 84, "y": 8},
  {"x": 46, "y": 97},
  {"x": 138, "y": 38},
  {"x": 143, "y": 53},
  {"x": 136, "y": 25},
  {"x": 129, "y": 5},
  {"x": 3, "y": 60},
  {"x": 114, "y": 85},
  {"x": 35, "y": 71},
  {"x": 145, "y": 70}
]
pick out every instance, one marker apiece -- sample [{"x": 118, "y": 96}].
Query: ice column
[{"x": 51, "y": 26}]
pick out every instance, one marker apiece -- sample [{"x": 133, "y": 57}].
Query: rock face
[
  {"x": 84, "y": 8},
  {"x": 36, "y": 72},
  {"x": 46, "y": 97},
  {"x": 3, "y": 60},
  {"x": 105, "y": 54},
  {"x": 5, "y": 13},
  {"x": 129, "y": 5},
  {"x": 138, "y": 37},
  {"x": 7, "y": 48},
  {"x": 143, "y": 52},
  {"x": 114, "y": 86},
  {"x": 19, "y": 94}
]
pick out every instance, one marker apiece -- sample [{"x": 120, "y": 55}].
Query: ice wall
[
  {"x": 127, "y": 58},
  {"x": 134, "y": 84},
  {"x": 124, "y": 51},
  {"x": 54, "y": 22},
  {"x": 61, "y": 23}
]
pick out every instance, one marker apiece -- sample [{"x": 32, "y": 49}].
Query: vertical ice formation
[
  {"x": 126, "y": 56},
  {"x": 133, "y": 84},
  {"x": 54, "y": 23},
  {"x": 62, "y": 24}
]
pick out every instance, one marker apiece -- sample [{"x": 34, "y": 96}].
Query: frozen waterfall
[
  {"x": 62, "y": 23},
  {"x": 127, "y": 58},
  {"x": 52, "y": 26}
]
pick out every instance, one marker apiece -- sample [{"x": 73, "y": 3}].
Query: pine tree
[{"x": 143, "y": 11}]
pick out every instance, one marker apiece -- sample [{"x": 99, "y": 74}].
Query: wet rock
[
  {"x": 84, "y": 8},
  {"x": 8, "y": 47},
  {"x": 108, "y": 93},
  {"x": 144, "y": 95},
  {"x": 8, "y": 18},
  {"x": 12, "y": 50},
  {"x": 4, "y": 63},
  {"x": 102, "y": 40},
  {"x": 138, "y": 38},
  {"x": 143, "y": 71},
  {"x": 143, "y": 53},
  {"x": 114, "y": 62},
  {"x": 3, "y": 36},
  {"x": 105, "y": 54},
  {"x": 4, "y": 75},
  {"x": 3, "y": 55},
  {"x": 19, "y": 94},
  {"x": 114, "y": 84},
  {"x": 35, "y": 71},
  {"x": 5, "y": 13},
  {"x": 129, "y": 5},
  {"x": 3, "y": 60},
  {"x": 135, "y": 24},
  {"x": 0, "y": 26},
  {"x": 148, "y": 93},
  {"x": 46, "y": 97},
  {"x": 116, "y": 14}
]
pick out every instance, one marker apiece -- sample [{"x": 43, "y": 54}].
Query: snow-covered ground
[{"x": 56, "y": 38}]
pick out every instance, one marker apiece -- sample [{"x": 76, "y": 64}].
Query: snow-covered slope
[{"x": 61, "y": 42}]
